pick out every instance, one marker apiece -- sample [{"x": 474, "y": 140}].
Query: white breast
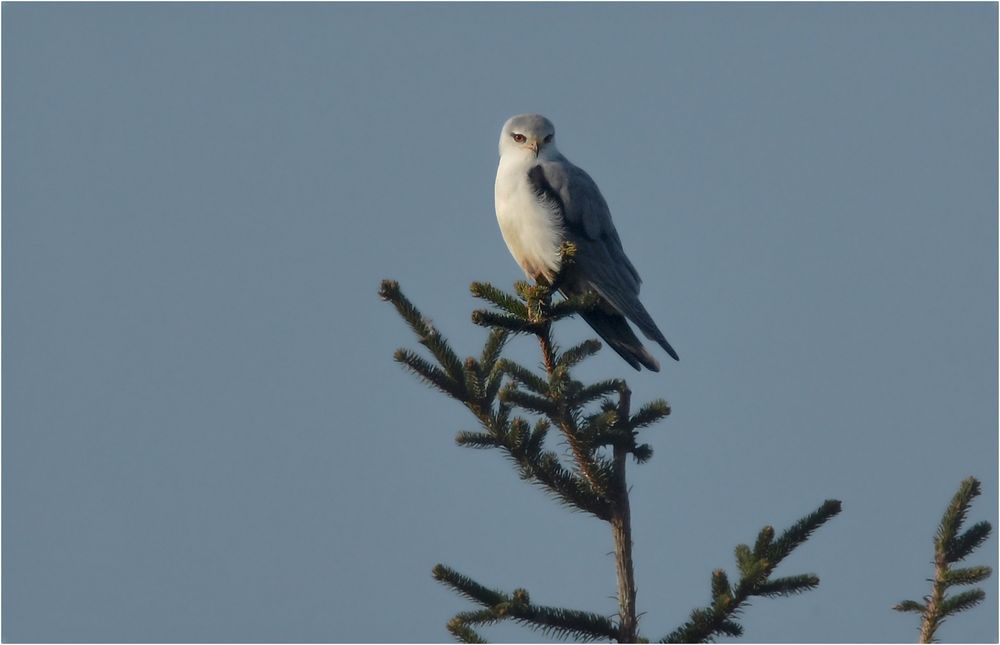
[{"x": 530, "y": 226}]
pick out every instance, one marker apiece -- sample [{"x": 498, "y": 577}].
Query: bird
[{"x": 542, "y": 200}]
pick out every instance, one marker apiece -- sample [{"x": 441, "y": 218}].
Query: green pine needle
[
  {"x": 951, "y": 547},
  {"x": 705, "y": 624},
  {"x": 581, "y": 303},
  {"x": 590, "y": 393},
  {"x": 534, "y": 444},
  {"x": 427, "y": 335},
  {"x": 966, "y": 576},
  {"x": 745, "y": 560},
  {"x": 478, "y": 617},
  {"x": 568, "y": 488},
  {"x": 598, "y": 426},
  {"x": 495, "y": 343},
  {"x": 513, "y": 396},
  {"x": 787, "y": 586},
  {"x": 649, "y": 414},
  {"x": 720, "y": 585},
  {"x": 525, "y": 377},
  {"x": 477, "y": 440},
  {"x": 582, "y": 626},
  {"x": 578, "y": 353},
  {"x": 801, "y": 530},
  {"x": 730, "y": 628},
  {"x": 503, "y": 300},
  {"x": 473, "y": 379},
  {"x": 512, "y": 324},
  {"x": 492, "y": 384},
  {"x": 517, "y": 437},
  {"x": 467, "y": 586},
  {"x": 390, "y": 291},
  {"x": 642, "y": 453},
  {"x": 910, "y": 606},
  {"x": 762, "y": 547},
  {"x": 962, "y": 601},
  {"x": 463, "y": 633},
  {"x": 430, "y": 374},
  {"x": 963, "y": 545}
]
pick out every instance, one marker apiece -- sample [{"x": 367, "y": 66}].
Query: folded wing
[{"x": 601, "y": 263}]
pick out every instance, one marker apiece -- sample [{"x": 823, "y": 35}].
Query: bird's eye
[
  {"x": 548, "y": 138},
  {"x": 520, "y": 138}
]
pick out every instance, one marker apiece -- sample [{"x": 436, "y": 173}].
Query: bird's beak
[{"x": 534, "y": 147}]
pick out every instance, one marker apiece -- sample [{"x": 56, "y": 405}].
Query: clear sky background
[{"x": 205, "y": 437}]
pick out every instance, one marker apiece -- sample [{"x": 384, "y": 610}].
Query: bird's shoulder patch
[{"x": 542, "y": 188}]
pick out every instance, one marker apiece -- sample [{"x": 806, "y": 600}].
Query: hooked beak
[{"x": 534, "y": 147}]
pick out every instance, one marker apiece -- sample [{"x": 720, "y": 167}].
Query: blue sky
[{"x": 205, "y": 437}]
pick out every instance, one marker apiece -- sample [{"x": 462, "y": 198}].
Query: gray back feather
[
  {"x": 601, "y": 261},
  {"x": 586, "y": 210}
]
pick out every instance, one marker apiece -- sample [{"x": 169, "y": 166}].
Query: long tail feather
[
  {"x": 652, "y": 332},
  {"x": 615, "y": 331}
]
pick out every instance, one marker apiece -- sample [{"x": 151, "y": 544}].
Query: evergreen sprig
[
  {"x": 581, "y": 626},
  {"x": 952, "y": 546},
  {"x": 756, "y": 566},
  {"x": 594, "y": 421}
]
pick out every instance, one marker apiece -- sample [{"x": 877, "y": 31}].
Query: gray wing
[{"x": 601, "y": 262}]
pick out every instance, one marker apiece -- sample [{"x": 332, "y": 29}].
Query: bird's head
[{"x": 528, "y": 134}]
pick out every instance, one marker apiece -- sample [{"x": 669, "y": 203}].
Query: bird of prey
[{"x": 543, "y": 200}]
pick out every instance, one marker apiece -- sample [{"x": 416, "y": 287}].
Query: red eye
[{"x": 520, "y": 138}]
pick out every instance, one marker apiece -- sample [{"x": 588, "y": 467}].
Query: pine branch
[
  {"x": 642, "y": 453},
  {"x": 537, "y": 404},
  {"x": 427, "y": 334},
  {"x": 650, "y": 414},
  {"x": 582, "y": 395},
  {"x": 462, "y": 632},
  {"x": 492, "y": 383},
  {"x": 477, "y": 617},
  {"x": 594, "y": 482},
  {"x": 788, "y": 586},
  {"x": 543, "y": 469},
  {"x": 467, "y": 587},
  {"x": 962, "y": 546},
  {"x": 756, "y": 566},
  {"x": 477, "y": 383},
  {"x": 512, "y": 324},
  {"x": 581, "y": 626},
  {"x": 801, "y": 530},
  {"x": 524, "y": 448},
  {"x": 492, "y": 349},
  {"x": 534, "y": 444},
  {"x": 578, "y": 353},
  {"x": 474, "y": 383},
  {"x": 966, "y": 576},
  {"x": 567, "y": 307},
  {"x": 598, "y": 485},
  {"x": 602, "y": 429},
  {"x": 958, "y": 509},
  {"x": 477, "y": 440},
  {"x": 962, "y": 601},
  {"x": 501, "y": 299},
  {"x": 430, "y": 374},
  {"x": 951, "y": 547},
  {"x": 571, "y": 490},
  {"x": 525, "y": 377},
  {"x": 912, "y": 606}
]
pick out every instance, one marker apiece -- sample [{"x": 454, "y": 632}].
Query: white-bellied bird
[{"x": 543, "y": 200}]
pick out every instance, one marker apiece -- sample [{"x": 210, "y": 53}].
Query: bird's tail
[
  {"x": 615, "y": 331},
  {"x": 644, "y": 322}
]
